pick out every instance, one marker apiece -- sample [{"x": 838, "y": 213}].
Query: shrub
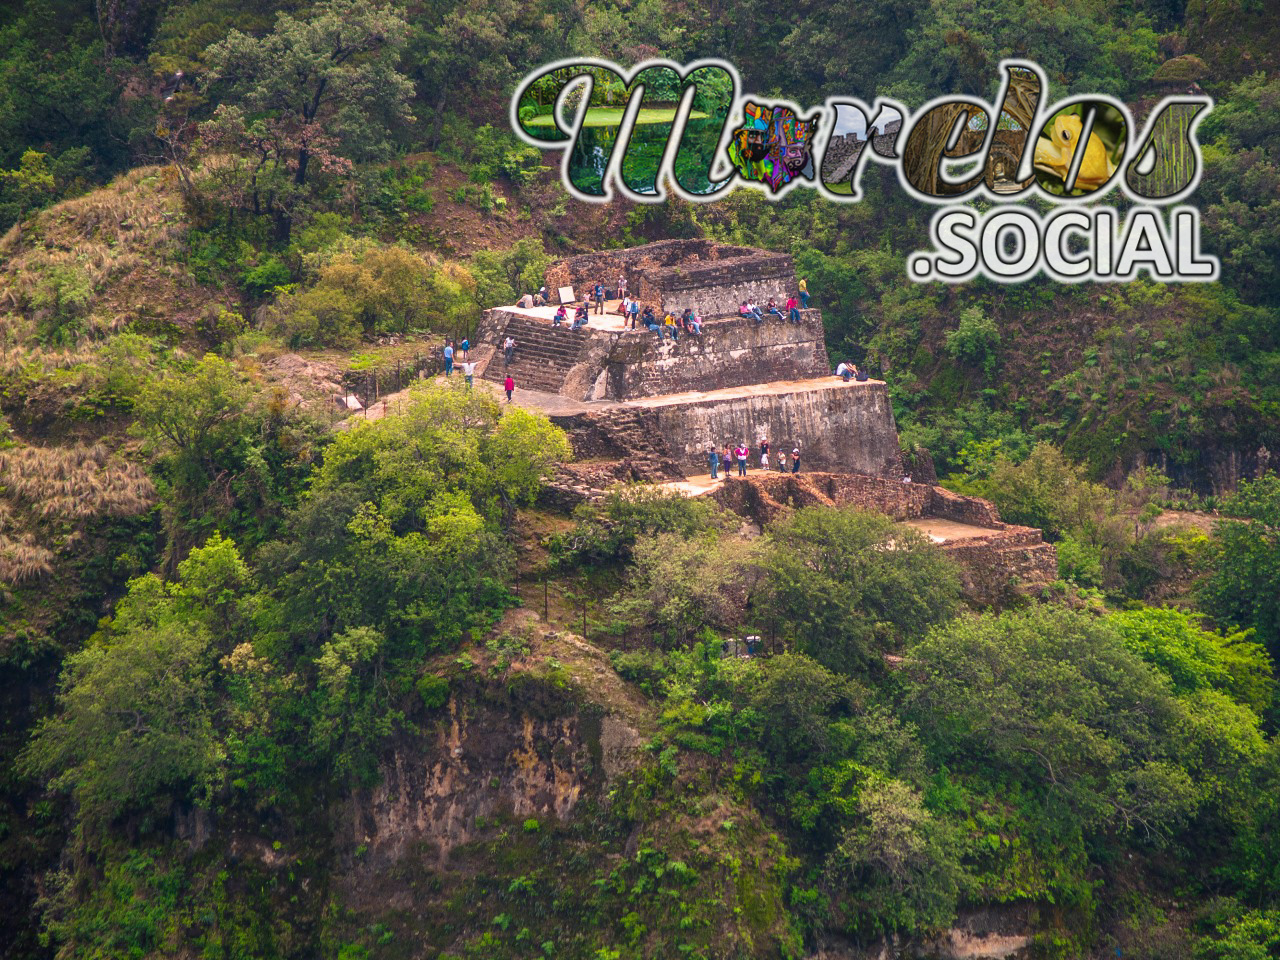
[
  {"x": 433, "y": 691},
  {"x": 975, "y": 339},
  {"x": 265, "y": 277}
]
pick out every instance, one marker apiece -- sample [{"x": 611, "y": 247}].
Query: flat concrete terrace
[
  {"x": 557, "y": 405},
  {"x": 946, "y": 531},
  {"x": 776, "y": 388},
  {"x": 611, "y": 319}
]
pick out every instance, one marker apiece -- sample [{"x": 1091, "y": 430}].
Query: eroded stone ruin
[{"x": 640, "y": 407}]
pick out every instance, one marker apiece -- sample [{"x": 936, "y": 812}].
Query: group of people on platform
[
  {"x": 671, "y": 324},
  {"x": 741, "y": 454},
  {"x": 579, "y": 316}
]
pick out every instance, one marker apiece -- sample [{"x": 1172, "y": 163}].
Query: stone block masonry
[
  {"x": 595, "y": 364},
  {"x": 728, "y": 353},
  {"x": 711, "y": 278},
  {"x": 718, "y": 288},
  {"x": 838, "y": 426}
]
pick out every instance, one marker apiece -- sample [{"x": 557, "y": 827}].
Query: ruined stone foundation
[
  {"x": 639, "y": 407},
  {"x": 739, "y": 381}
]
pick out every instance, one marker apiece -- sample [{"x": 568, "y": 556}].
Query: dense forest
[{"x": 234, "y": 639}]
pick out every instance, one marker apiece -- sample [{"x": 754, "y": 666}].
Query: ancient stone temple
[
  {"x": 738, "y": 381},
  {"x": 642, "y": 406}
]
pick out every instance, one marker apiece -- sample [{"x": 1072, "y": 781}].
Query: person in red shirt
[
  {"x": 793, "y": 314},
  {"x": 509, "y": 385}
]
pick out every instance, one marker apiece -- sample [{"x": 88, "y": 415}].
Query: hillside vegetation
[{"x": 277, "y": 689}]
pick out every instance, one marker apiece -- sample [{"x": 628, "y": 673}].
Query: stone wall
[
  {"x": 718, "y": 288},
  {"x": 839, "y": 427},
  {"x": 641, "y": 265},
  {"x": 1004, "y": 564},
  {"x": 840, "y": 157},
  {"x": 897, "y": 500},
  {"x": 728, "y": 353},
  {"x": 712, "y": 278},
  {"x": 952, "y": 506}
]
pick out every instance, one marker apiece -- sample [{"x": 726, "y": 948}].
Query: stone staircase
[
  {"x": 544, "y": 354},
  {"x": 636, "y": 432},
  {"x": 611, "y": 447}
]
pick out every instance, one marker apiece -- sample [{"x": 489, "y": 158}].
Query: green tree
[
  {"x": 225, "y": 458},
  {"x": 1046, "y": 490},
  {"x": 30, "y": 185},
  {"x": 1254, "y": 935},
  {"x": 1196, "y": 659},
  {"x": 898, "y": 864},
  {"x": 1052, "y": 699},
  {"x": 607, "y": 532},
  {"x": 316, "y": 93},
  {"x": 400, "y": 528},
  {"x": 136, "y": 724},
  {"x": 360, "y": 287},
  {"x": 847, "y": 585},
  {"x": 797, "y": 700},
  {"x": 1243, "y": 587},
  {"x": 504, "y": 277},
  {"x": 681, "y": 586},
  {"x": 975, "y": 340}
]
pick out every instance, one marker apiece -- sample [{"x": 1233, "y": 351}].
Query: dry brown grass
[
  {"x": 47, "y": 359},
  {"x": 126, "y": 241},
  {"x": 23, "y": 559},
  {"x": 75, "y": 482}
]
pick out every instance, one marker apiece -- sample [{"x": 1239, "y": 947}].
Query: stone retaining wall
[
  {"x": 728, "y": 353},
  {"x": 711, "y": 278},
  {"x": 838, "y": 427}
]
